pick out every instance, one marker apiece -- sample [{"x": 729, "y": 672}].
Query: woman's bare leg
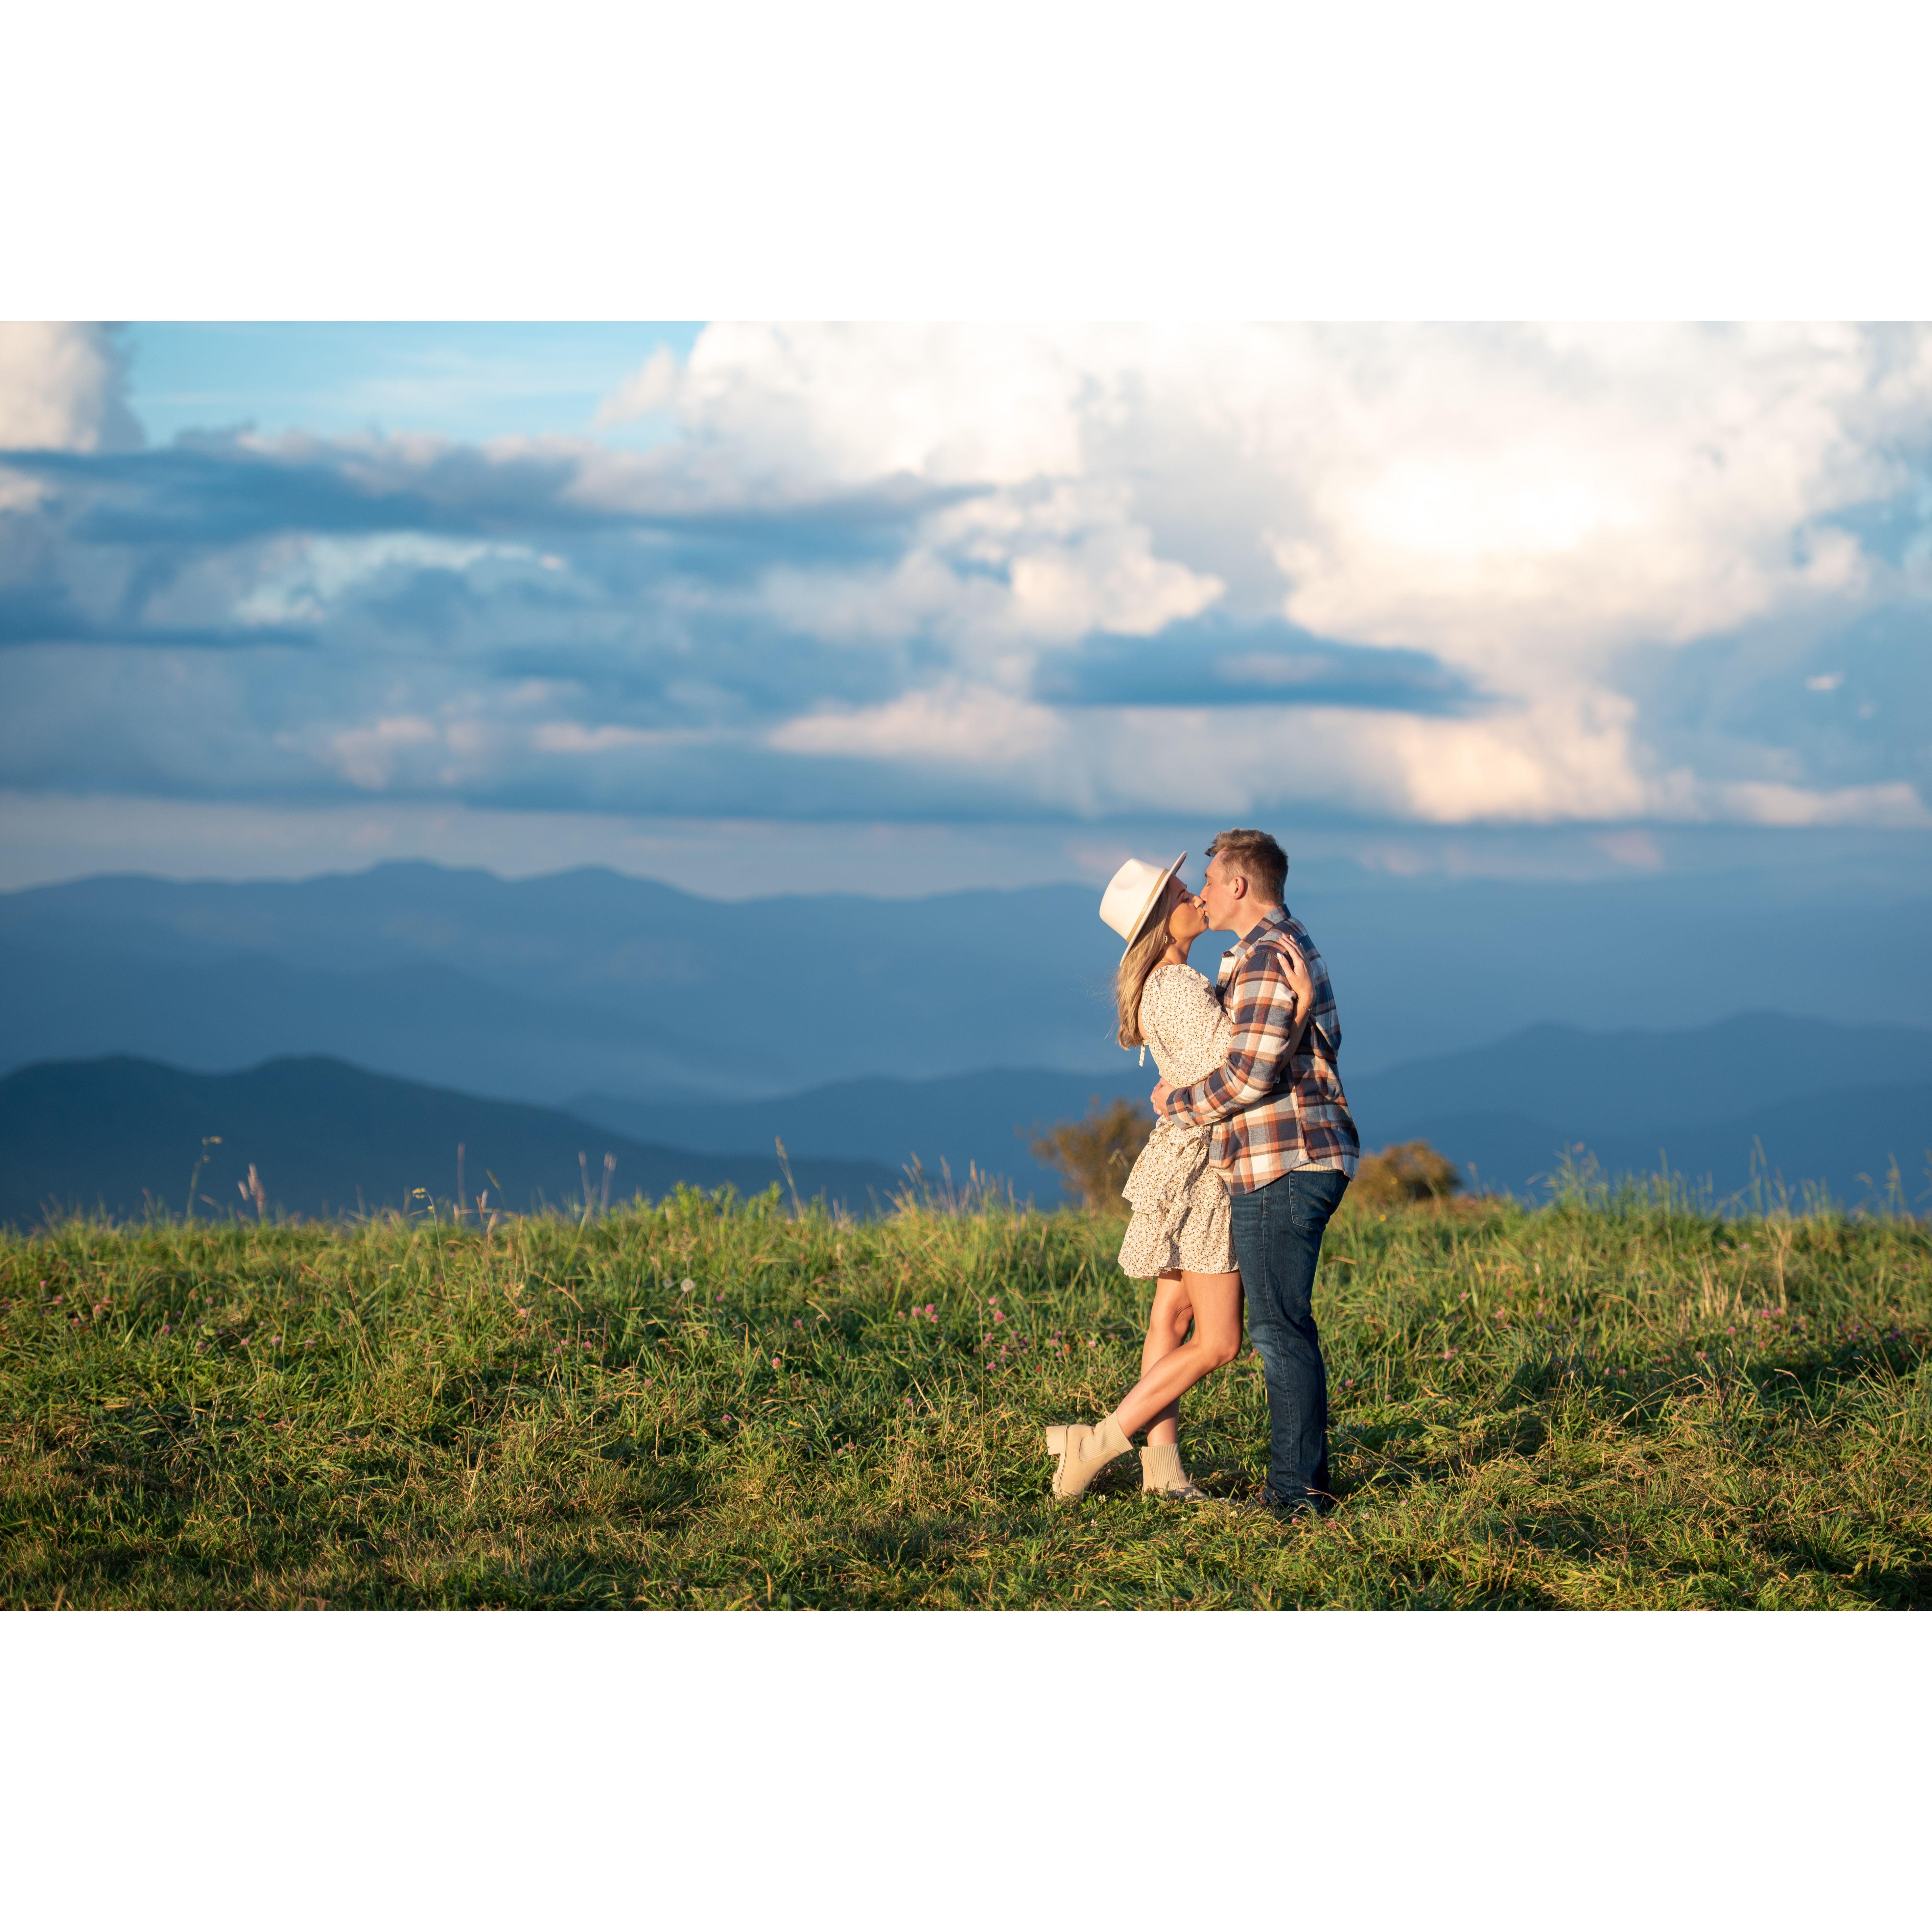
[
  {"x": 1216, "y": 1300},
  {"x": 1167, "y": 1323}
]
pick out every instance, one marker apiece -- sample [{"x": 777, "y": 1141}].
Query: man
[{"x": 1286, "y": 1144}]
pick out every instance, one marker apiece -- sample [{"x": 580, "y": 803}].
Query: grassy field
[{"x": 1609, "y": 1403}]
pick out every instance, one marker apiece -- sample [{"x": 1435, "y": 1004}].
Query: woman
[{"x": 1180, "y": 1234}]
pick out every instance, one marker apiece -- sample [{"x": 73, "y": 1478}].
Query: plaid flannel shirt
[{"x": 1269, "y": 1114}]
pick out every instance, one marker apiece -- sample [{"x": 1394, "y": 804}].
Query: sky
[{"x": 900, "y": 607}]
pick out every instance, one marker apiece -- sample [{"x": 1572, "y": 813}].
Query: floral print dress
[{"x": 1180, "y": 1218}]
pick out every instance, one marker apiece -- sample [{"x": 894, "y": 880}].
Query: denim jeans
[{"x": 1278, "y": 1231}]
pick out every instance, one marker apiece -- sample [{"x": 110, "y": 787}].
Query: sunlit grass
[{"x": 1610, "y": 1402}]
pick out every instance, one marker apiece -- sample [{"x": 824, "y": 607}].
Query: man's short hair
[{"x": 1259, "y": 859}]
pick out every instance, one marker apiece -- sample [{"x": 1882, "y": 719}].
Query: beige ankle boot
[
  {"x": 1161, "y": 1471},
  {"x": 1083, "y": 1453}
]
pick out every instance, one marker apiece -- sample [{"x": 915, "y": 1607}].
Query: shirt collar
[
  {"x": 1273, "y": 922},
  {"x": 1235, "y": 954}
]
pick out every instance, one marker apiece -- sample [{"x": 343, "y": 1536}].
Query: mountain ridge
[
  {"x": 1624, "y": 1092},
  {"x": 117, "y": 1130},
  {"x": 781, "y": 994},
  {"x": 326, "y": 1137}
]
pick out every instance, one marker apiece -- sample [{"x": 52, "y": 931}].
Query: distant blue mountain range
[
  {"x": 1801, "y": 1098},
  {"x": 123, "y": 1134},
  {"x": 126, "y": 1135},
  {"x": 881, "y": 1031},
  {"x": 541, "y": 989}
]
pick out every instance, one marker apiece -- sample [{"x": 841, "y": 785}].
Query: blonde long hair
[{"x": 1137, "y": 966}]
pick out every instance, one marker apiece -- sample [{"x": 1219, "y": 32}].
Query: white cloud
[
  {"x": 1631, "y": 551},
  {"x": 1527, "y": 503},
  {"x": 649, "y": 388},
  {"x": 1526, "y": 500},
  {"x": 1890, "y": 807},
  {"x": 1487, "y": 492},
  {"x": 1103, "y": 578},
  {"x": 577, "y": 740},
  {"x": 957, "y": 724},
  {"x": 1556, "y": 763},
  {"x": 849, "y": 402},
  {"x": 1635, "y": 848},
  {"x": 368, "y": 755},
  {"x": 300, "y": 579},
  {"x": 62, "y": 386}
]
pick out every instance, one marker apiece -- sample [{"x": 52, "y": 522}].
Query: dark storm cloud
[
  {"x": 755, "y": 669},
  {"x": 1214, "y": 661},
  {"x": 627, "y": 603},
  {"x": 873, "y": 527},
  {"x": 217, "y": 493},
  {"x": 213, "y": 492},
  {"x": 516, "y": 596},
  {"x": 32, "y": 615}
]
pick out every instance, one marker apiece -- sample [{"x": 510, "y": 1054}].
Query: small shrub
[
  {"x": 1094, "y": 1155},
  {"x": 1412, "y": 1171}
]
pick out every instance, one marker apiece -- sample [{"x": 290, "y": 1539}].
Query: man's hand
[{"x": 1157, "y": 1099}]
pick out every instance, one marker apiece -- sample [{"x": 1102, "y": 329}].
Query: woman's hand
[{"x": 1303, "y": 981}]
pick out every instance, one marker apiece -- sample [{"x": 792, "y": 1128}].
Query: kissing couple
[{"x": 1252, "y": 1149}]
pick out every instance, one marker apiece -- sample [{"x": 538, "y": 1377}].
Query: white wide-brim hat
[{"x": 1132, "y": 895}]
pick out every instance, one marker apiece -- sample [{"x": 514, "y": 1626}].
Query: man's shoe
[
  {"x": 1250, "y": 1506},
  {"x": 1289, "y": 1516}
]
